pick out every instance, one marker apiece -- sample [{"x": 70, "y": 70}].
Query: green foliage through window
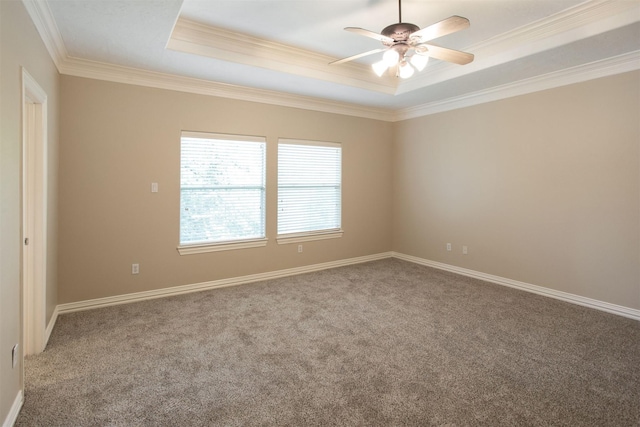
[{"x": 222, "y": 188}]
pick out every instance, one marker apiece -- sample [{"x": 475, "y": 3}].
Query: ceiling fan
[{"x": 406, "y": 45}]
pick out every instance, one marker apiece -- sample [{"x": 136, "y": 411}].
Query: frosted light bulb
[
  {"x": 379, "y": 68},
  {"x": 406, "y": 70},
  {"x": 419, "y": 61},
  {"x": 391, "y": 57}
]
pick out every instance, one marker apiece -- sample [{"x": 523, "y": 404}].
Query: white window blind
[
  {"x": 309, "y": 187},
  {"x": 222, "y": 188}
]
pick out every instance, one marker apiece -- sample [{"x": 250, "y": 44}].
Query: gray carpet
[{"x": 382, "y": 343}]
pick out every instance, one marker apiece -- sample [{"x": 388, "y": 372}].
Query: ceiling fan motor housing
[{"x": 399, "y": 32}]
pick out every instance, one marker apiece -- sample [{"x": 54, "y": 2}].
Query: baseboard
[
  {"x": 540, "y": 290},
  {"x": 234, "y": 281},
  {"x": 50, "y": 325},
  {"x": 12, "y": 416}
]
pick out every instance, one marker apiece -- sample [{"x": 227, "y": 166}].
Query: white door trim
[{"x": 34, "y": 214}]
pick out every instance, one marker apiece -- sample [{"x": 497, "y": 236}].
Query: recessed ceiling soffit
[{"x": 585, "y": 20}]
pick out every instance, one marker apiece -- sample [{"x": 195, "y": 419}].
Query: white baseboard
[
  {"x": 12, "y": 416},
  {"x": 234, "y": 281},
  {"x": 178, "y": 290},
  {"x": 50, "y": 325},
  {"x": 564, "y": 296}
]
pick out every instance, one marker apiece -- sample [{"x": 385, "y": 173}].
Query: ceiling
[{"x": 278, "y": 51}]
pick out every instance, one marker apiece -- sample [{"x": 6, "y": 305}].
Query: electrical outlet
[
  {"x": 465, "y": 250},
  {"x": 449, "y": 247},
  {"x": 14, "y": 356},
  {"x": 299, "y": 249},
  {"x": 135, "y": 268}
]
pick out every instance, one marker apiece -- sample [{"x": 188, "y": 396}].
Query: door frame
[{"x": 34, "y": 214}]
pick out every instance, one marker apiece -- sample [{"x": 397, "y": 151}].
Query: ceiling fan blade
[
  {"x": 442, "y": 28},
  {"x": 371, "y": 34},
  {"x": 360, "y": 55},
  {"x": 450, "y": 55}
]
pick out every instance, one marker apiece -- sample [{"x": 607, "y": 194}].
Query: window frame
[
  {"x": 240, "y": 243},
  {"x": 331, "y": 233}
]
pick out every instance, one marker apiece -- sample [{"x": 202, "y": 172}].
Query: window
[
  {"x": 222, "y": 192},
  {"x": 309, "y": 190}
]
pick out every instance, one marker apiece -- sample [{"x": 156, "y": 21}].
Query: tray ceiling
[{"x": 278, "y": 51}]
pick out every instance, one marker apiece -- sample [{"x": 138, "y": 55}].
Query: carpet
[{"x": 385, "y": 343}]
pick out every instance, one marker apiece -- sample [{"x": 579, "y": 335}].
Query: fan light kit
[{"x": 406, "y": 49}]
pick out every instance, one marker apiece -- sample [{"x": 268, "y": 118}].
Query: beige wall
[
  {"x": 20, "y": 46},
  {"x": 542, "y": 188},
  {"x": 116, "y": 139}
]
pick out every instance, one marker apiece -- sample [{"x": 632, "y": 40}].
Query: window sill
[
  {"x": 216, "y": 247},
  {"x": 307, "y": 237}
]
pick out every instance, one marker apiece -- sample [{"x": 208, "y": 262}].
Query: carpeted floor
[{"x": 377, "y": 344}]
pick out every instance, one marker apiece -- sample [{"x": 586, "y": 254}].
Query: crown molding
[
  {"x": 594, "y": 15},
  {"x": 603, "y": 68},
  {"x": 203, "y": 40},
  {"x": 46, "y": 26},
  {"x": 591, "y": 18},
  {"x": 119, "y": 74},
  {"x": 584, "y": 20}
]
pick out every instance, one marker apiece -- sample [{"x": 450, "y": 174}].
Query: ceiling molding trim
[
  {"x": 594, "y": 15},
  {"x": 607, "y": 67},
  {"x": 219, "y": 44},
  {"x": 46, "y": 26},
  {"x": 561, "y": 23},
  {"x": 119, "y": 74},
  {"x": 584, "y": 20}
]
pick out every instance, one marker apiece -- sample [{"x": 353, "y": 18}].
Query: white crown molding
[
  {"x": 607, "y": 67},
  {"x": 119, "y": 74},
  {"x": 584, "y": 20},
  {"x": 46, "y": 26},
  {"x": 593, "y": 17},
  {"x": 204, "y": 286},
  {"x": 540, "y": 290},
  {"x": 203, "y": 40}
]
